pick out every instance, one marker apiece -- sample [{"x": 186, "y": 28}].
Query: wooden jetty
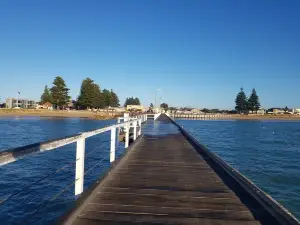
[
  {"x": 208, "y": 116},
  {"x": 172, "y": 179}
]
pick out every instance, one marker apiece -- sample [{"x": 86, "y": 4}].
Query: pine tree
[
  {"x": 164, "y": 106},
  {"x": 132, "y": 101},
  {"x": 97, "y": 98},
  {"x": 115, "y": 102},
  {"x": 46, "y": 96},
  {"x": 241, "y": 101},
  {"x": 107, "y": 98},
  {"x": 151, "y": 106},
  {"x": 59, "y": 92},
  {"x": 85, "y": 99},
  {"x": 253, "y": 101}
]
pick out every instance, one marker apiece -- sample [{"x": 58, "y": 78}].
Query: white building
[
  {"x": 21, "y": 103},
  {"x": 296, "y": 111}
]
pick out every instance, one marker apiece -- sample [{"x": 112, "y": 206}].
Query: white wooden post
[
  {"x": 134, "y": 130},
  {"x": 79, "y": 176},
  {"x": 140, "y": 130},
  {"x": 146, "y": 117},
  {"x": 112, "y": 144},
  {"x": 127, "y": 136}
]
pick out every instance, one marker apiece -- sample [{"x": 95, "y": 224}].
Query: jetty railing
[{"x": 15, "y": 154}]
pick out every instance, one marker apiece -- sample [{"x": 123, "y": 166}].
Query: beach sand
[{"x": 58, "y": 113}]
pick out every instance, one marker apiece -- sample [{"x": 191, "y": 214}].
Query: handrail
[{"x": 14, "y": 154}]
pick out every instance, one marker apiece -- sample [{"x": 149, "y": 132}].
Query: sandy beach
[
  {"x": 109, "y": 115},
  {"x": 58, "y": 113},
  {"x": 266, "y": 117}
]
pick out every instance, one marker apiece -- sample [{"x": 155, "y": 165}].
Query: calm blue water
[
  {"x": 267, "y": 152},
  {"x": 37, "y": 201}
]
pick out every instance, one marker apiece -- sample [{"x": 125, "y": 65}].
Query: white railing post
[
  {"x": 112, "y": 144},
  {"x": 134, "y": 130},
  {"x": 140, "y": 130},
  {"x": 146, "y": 117},
  {"x": 79, "y": 176},
  {"x": 127, "y": 135}
]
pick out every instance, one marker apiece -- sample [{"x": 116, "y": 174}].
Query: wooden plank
[{"x": 165, "y": 181}]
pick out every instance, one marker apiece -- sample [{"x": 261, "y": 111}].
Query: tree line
[
  {"x": 244, "y": 104},
  {"x": 90, "y": 95}
]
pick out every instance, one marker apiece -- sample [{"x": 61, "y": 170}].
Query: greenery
[
  {"x": 59, "y": 92},
  {"x": 241, "y": 102},
  {"x": 205, "y": 110},
  {"x": 132, "y": 101},
  {"x": 110, "y": 98},
  {"x": 164, "y": 106},
  {"x": 253, "y": 101},
  {"x": 151, "y": 106},
  {"x": 90, "y": 95},
  {"x": 46, "y": 96}
]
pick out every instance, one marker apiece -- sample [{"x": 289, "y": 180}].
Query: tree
[
  {"x": 205, "y": 110},
  {"x": 241, "y": 101},
  {"x": 97, "y": 99},
  {"x": 86, "y": 98},
  {"x": 164, "y": 106},
  {"x": 115, "y": 102},
  {"x": 132, "y": 101},
  {"x": 107, "y": 98},
  {"x": 253, "y": 101},
  {"x": 46, "y": 96},
  {"x": 59, "y": 92},
  {"x": 286, "y": 109},
  {"x": 151, "y": 106}
]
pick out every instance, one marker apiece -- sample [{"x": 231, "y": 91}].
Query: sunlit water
[{"x": 268, "y": 152}]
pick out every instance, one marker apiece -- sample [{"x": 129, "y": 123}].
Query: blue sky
[{"x": 198, "y": 52}]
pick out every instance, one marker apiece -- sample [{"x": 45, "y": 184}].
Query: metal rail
[{"x": 15, "y": 154}]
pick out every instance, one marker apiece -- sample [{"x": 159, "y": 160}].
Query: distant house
[
  {"x": 275, "y": 111},
  {"x": 134, "y": 108},
  {"x": 20, "y": 103},
  {"x": 46, "y": 105},
  {"x": 296, "y": 111},
  {"x": 261, "y": 111},
  {"x": 196, "y": 111}
]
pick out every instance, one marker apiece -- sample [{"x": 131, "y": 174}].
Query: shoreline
[
  {"x": 83, "y": 114},
  {"x": 266, "y": 117}
]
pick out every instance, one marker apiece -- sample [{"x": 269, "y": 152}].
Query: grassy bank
[{"x": 58, "y": 113}]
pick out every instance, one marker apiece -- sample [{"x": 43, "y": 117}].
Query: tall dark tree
[
  {"x": 115, "y": 102},
  {"x": 46, "y": 96},
  {"x": 132, "y": 101},
  {"x": 205, "y": 110},
  {"x": 286, "y": 109},
  {"x": 86, "y": 98},
  {"x": 253, "y": 101},
  {"x": 107, "y": 97},
  {"x": 151, "y": 106},
  {"x": 59, "y": 92},
  {"x": 164, "y": 106},
  {"x": 241, "y": 101}
]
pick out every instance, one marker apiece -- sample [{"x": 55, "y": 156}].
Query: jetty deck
[{"x": 165, "y": 179}]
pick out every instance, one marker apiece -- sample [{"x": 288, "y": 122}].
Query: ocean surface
[{"x": 38, "y": 189}]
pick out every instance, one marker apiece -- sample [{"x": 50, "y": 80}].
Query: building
[
  {"x": 46, "y": 105},
  {"x": 134, "y": 108},
  {"x": 21, "y": 103},
  {"x": 296, "y": 111},
  {"x": 196, "y": 111}
]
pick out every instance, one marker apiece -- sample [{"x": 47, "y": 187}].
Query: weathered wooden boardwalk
[{"x": 163, "y": 179}]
